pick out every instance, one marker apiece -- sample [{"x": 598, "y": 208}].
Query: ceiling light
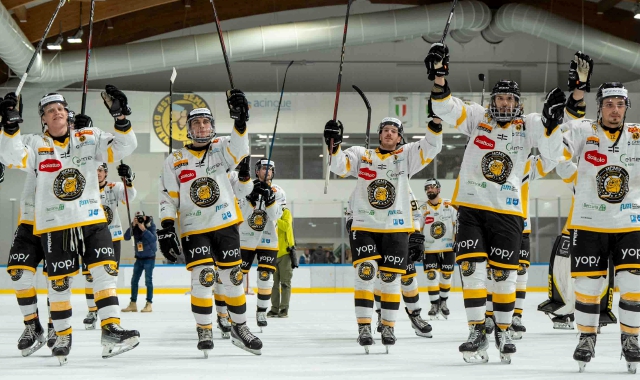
[
  {"x": 76, "y": 38},
  {"x": 322, "y": 155},
  {"x": 345, "y": 137},
  {"x": 57, "y": 44},
  {"x": 417, "y": 137},
  {"x": 257, "y": 155}
]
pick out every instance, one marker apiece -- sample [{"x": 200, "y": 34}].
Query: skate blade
[
  {"x": 37, "y": 345},
  {"x": 563, "y": 326},
  {"x": 110, "y": 350},
  {"x": 445, "y": 317},
  {"x": 433, "y": 317},
  {"x": 90, "y": 327},
  {"x": 366, "y": 349},
  {"x": 205, "y": 353},
  {"x": 386, "y": 349},
  {"x": 241, "y": 345},
  {"x": 62, "y": 360},
  {"x": 505, "y": 358},
  {"x": 516, "y": 335},
  {"x": 225, "y": 335},
  {"x": 631, "y": 367},
  {"x": 581, "y": 366},
  {"x": 424, "y": 335},
  {"x": 476, "y": 357}
]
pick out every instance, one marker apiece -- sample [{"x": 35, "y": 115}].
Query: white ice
[{"x": 317, "y": 341}]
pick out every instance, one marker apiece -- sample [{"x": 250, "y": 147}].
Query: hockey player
[
  {"x": 67, "y": 193},
  {"x": 438, "y": 218},
  {"x": 488, "y": 193},
  {"x": 607, "y": 188},
  {"x": 382, "y": 220},
  {"x": 194, "y": 183},
  {"x": 111, "y": 195}
]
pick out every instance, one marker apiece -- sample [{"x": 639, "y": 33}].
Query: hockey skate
[
  {"x": 630, "y": 351},
  {"x": 388, "y": 337},
  {"x": 443, "y": 308},
  {"x": 365, "y": 339},
  {"x": 517, "y": 329},
  {"x": 261, "y": 318},
  {"x": 242, "y": 337},
  {"x": 32, "y": 338},
  {"x": 90, "y": 320},
  {"x": 61, "y": 348},
  {"x": 379, "y": 323},
  {"x": 51, "y": 336},
  {"x": 563, "y": 322},
  {"x": 225, "y": 327},
  {"x": 433, "y": 312},
  {"x": 474, "y": 350},
  {"x": 504, "y": 345},
  {"x": 419, "y": 325},
  {"x": 205, "y": 340},
  {"x": 585, "y": 350},
  {"x": 489, "y": 324},
  {"x": 116, "y": 340}
]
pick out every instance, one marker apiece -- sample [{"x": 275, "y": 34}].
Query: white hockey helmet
[{"x": 198, "y": 113}]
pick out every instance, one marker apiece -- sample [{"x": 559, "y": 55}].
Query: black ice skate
[
  {"x": 563, "y": 322},
  {"x": 489, "y": 324},
  {"x": 205, "y": 340},
  {"x": 32, "y": 338},
  {"x": 474, "y": 350},
  {"x": 388, "y": 337},
  {"x": 433, "y": 312},
  {"x": 242, "y": 337},
  {"x": 630, "y": 351},
  {"x": 61, "y": 348},
  {"x": 90, "y": 320},
  {"x": 517, "y": 329},
  {"x": 261, "y": 318},
  {"x": 225, "y": 327},
  {"x": 585, "y": 350},
  {"x": 504, "y": 345},
  {"x": 365, "y": 339},
  {"x": 443, "y": 308},
  {"x": 420, "y": 326},
  {"x": 379, "y": 323},
  {"x": 116, "y": 340},
  {"x": 51, "y": 336}
]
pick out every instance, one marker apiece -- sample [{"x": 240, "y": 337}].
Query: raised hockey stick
[
  {"x": 366, "y": 103},
  {"x": 85, "y": 85},
  {"x": 481, "y": 78},
  {"x": 126, "y": 199},
  {"x": 335, "y": 107},
  {"x": 38, "y": 48},
  {"x": 446, "y": 27},
  {"x": 222, "y": 45},
  {"x": 171, "y": 80}
]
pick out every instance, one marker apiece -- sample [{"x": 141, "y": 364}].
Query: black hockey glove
[
  {"x": 437, "y": 61},
  {"x": 115, "y": 101},
  {"x": 238, "y": 106},
  {"x": 124, "y": 171},
  {"x": 435, "y": 127},
  {"x": 430, "y": 109},
  {"x": 553, "y": 110},
  {"x": 1, "y": 172},
  {"x": 349, "y": 223},
  {"x": 294, "y": 257},
  {"x": 416, "y": 246},
  {"x": 265, "y": 191},
  {"x": 11, "y": 109},
  {"x": 333, "y": 130},
  {"x": 580, "y": 70},
  {"x": 244, "y": 169},
  {"x": 169, "y": 245},
  {"x": 82, "y": 121}
]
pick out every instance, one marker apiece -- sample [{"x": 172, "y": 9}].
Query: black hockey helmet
[
  {"x": 197, "y": 113},
  {"x": 431, "y": 182},
  {"x": 271, "y": 165},
  {"x": 505, "y": 87}
]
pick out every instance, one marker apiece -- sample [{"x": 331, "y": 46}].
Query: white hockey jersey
[
  {"x": 194, "y": 185},
  {"x": 67, "y": 192},
  {"x": 493, "y": 163},
  {"x": 607, "y": 182},
  {"x": 438, "y": 226},
  {"x": 381, "y": 202},
  {"x": 111, "y": 195}
]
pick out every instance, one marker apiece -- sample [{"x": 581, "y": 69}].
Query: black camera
[{"x": 140, "y": 219}]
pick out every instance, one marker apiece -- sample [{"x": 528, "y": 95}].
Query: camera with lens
[{"x": 140, "y": 219}]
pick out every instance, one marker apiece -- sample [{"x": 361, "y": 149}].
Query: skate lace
[
  {"x": 387, "y": 331},
  {"x": 114, "y": 327},
  {"x": 443, "y": 305},
  {"x": 630, "y": 343},
  {"x": 505, "y": 338},
  {"x": 417, "y": 319},
  {"x": 52, "y": 334},
  {"x": 473, "y": 334},
  {"x": 588, "y": 343},
  {"x": 516, "y": 321},
  {"x": 62, "y": 341},
  {"x": 261, "y": 316},
  {"x": 29, "y": 333},
  {"x": 434, "y": 308},
  {"x": 245, "y": 333},
  {"x": 364, "y": 330},
  {"x": 91, "y": 315},
  {"x": 224, "y": 322},
  {"x": 204, "y": 334}
]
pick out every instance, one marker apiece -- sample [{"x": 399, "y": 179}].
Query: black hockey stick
[
  {"x": 222, "y": 45},
  {"x": 481, "y": 78},
  {"x": 366, "y": 103},
  {"x": 85, "y": 86},
  {"x": 171, "y": 80},
  {"x": 335, "y": 107},
  {"x": 446, "y": 27},
  {"x": 38, "y": 48},
  {"x": 126, "y": 199}
]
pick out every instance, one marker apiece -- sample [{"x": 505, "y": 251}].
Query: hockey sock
[
  {"x": 202, "y": 279},
  {"x": 410, "y": 292},
  {"x": 521, "y": 288},
  {"x": 504, "y": 296},
  {"x": 105, "y": 278},
  {"x": 445, "y": 284},
  {"x": 265, "y": 284},
  {"x": 233, "y": 281},
  {"x": 88, "y": 293},
  {"x": 389, "y": 297},
  {"x": 432, "y": 286},
  {"x": 587, "y": 312},
  {"x": 489, "y": 312},
  {"x": 60, "y": 297},
  {"x": 218, "y": 290},
  {"x": 474, "y": 290},
  {"x": 23, "y": 281},
  {"x": 377, "y": 292},
  {"x": 364, "y": 285},
  {"x": 629, "y": 305}
]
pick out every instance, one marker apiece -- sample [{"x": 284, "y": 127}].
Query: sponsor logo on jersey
[
  {"x": 367, "y": 174},
  {"x": 635, "y": 218},
  {"x": 593, "y": 140},
  {"x": 204, "y": 192},
  {"x": 612, "y": 184},
  {"x": 483, "y": 142},
  {"x": 258, "y": 220},
  {"x": 50, "y": 166},
  {"x": 437, "y": 230},
  {"x": 485, "y": 127},
  {"x": 429, "y": 220},
  {"x": 629, "y": 206},
  {"x": 79, "y": 161},
  {"x": 595, "y": 158},
  {"x": 55, "y": 208},
  {"x": 45, "y": 151},
  {"x": 182, "y": 105},
  {"x": 594, "y": 206},
  {"x": 633, "y": 129},
  {"x": 398, "y": 222},
  {"x": 496, "y": 167},
  {"x": 393, "y": 175},
  {"x": 513, "y": 201},
  {"x": 394, "y": 212},
  {"x": 628, "y": 160},
  {"x": 514, "y": 149},
  {"x": 507, "y": 187},
  {"x": 83, "y": 132},
  {"x": 187, "y": 175},
  {"x": 181, "y": 163},
  {"x": 69, "y": 185},
  {"x": 381, "y": 194},
  {"x": 479, "y": 184}
]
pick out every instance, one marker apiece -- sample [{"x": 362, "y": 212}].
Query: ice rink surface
[{"x": 317, "y": 341}]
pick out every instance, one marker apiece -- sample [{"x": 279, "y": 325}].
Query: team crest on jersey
[
  {"x": 635, "y": 135},
  {"x": 236, "y": 276},
  {"x": 500, "y": 274},
  {"x": 108, "y": 213},
  {"x": 467, "y": 268},
  {"x": 438, "y": 229},
  {"x": 204, "y": 192},
  {"x": 407, "y": 282},
  {"x": 496, "y": 167},
  {"x": 111, "y": 269},
  {"x": 388, "y": 277},
  {"x": 60, "y": 285},
  {"x": 15, "y": 274},
  {"x": 366, "y": 271},
  {"x": 258, "y": 220},
  {"x": 613, "y": 184},
  {"x": 381, "y": 194},
  {"x": 264, "y": 275},
  {"x": 69, "y": 185},
  {"x": 207, "y": 277},
  {"x": 182, "y": 105},
  {"x": 431, "y": 275}
]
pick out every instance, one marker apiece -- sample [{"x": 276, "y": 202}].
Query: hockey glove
[
  {"x": 169, "y": 245},
  {"x": 416, "y": 246},
  {"x": 115, "y": 101},
  {"x": 349, "y": 223},
  {"x": 82, "y": 122},
  {"x": 294, "y": 257},
  {"x": 580, "y": 70},
  {"x": 124, "y": 171},
  {"x": 1, "y": 172},
  {"x": 435, "y": 127},
  {"x": 238, "y": 106},
  {"x": 333, "y": 130},
  {"x": 437, "y": 61},
  {"x": 262, "y": 189},
  {"x": 244, "y": 168},
  {"x": 553, "y": 110},
  {"x": 11, "y": 109}
]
